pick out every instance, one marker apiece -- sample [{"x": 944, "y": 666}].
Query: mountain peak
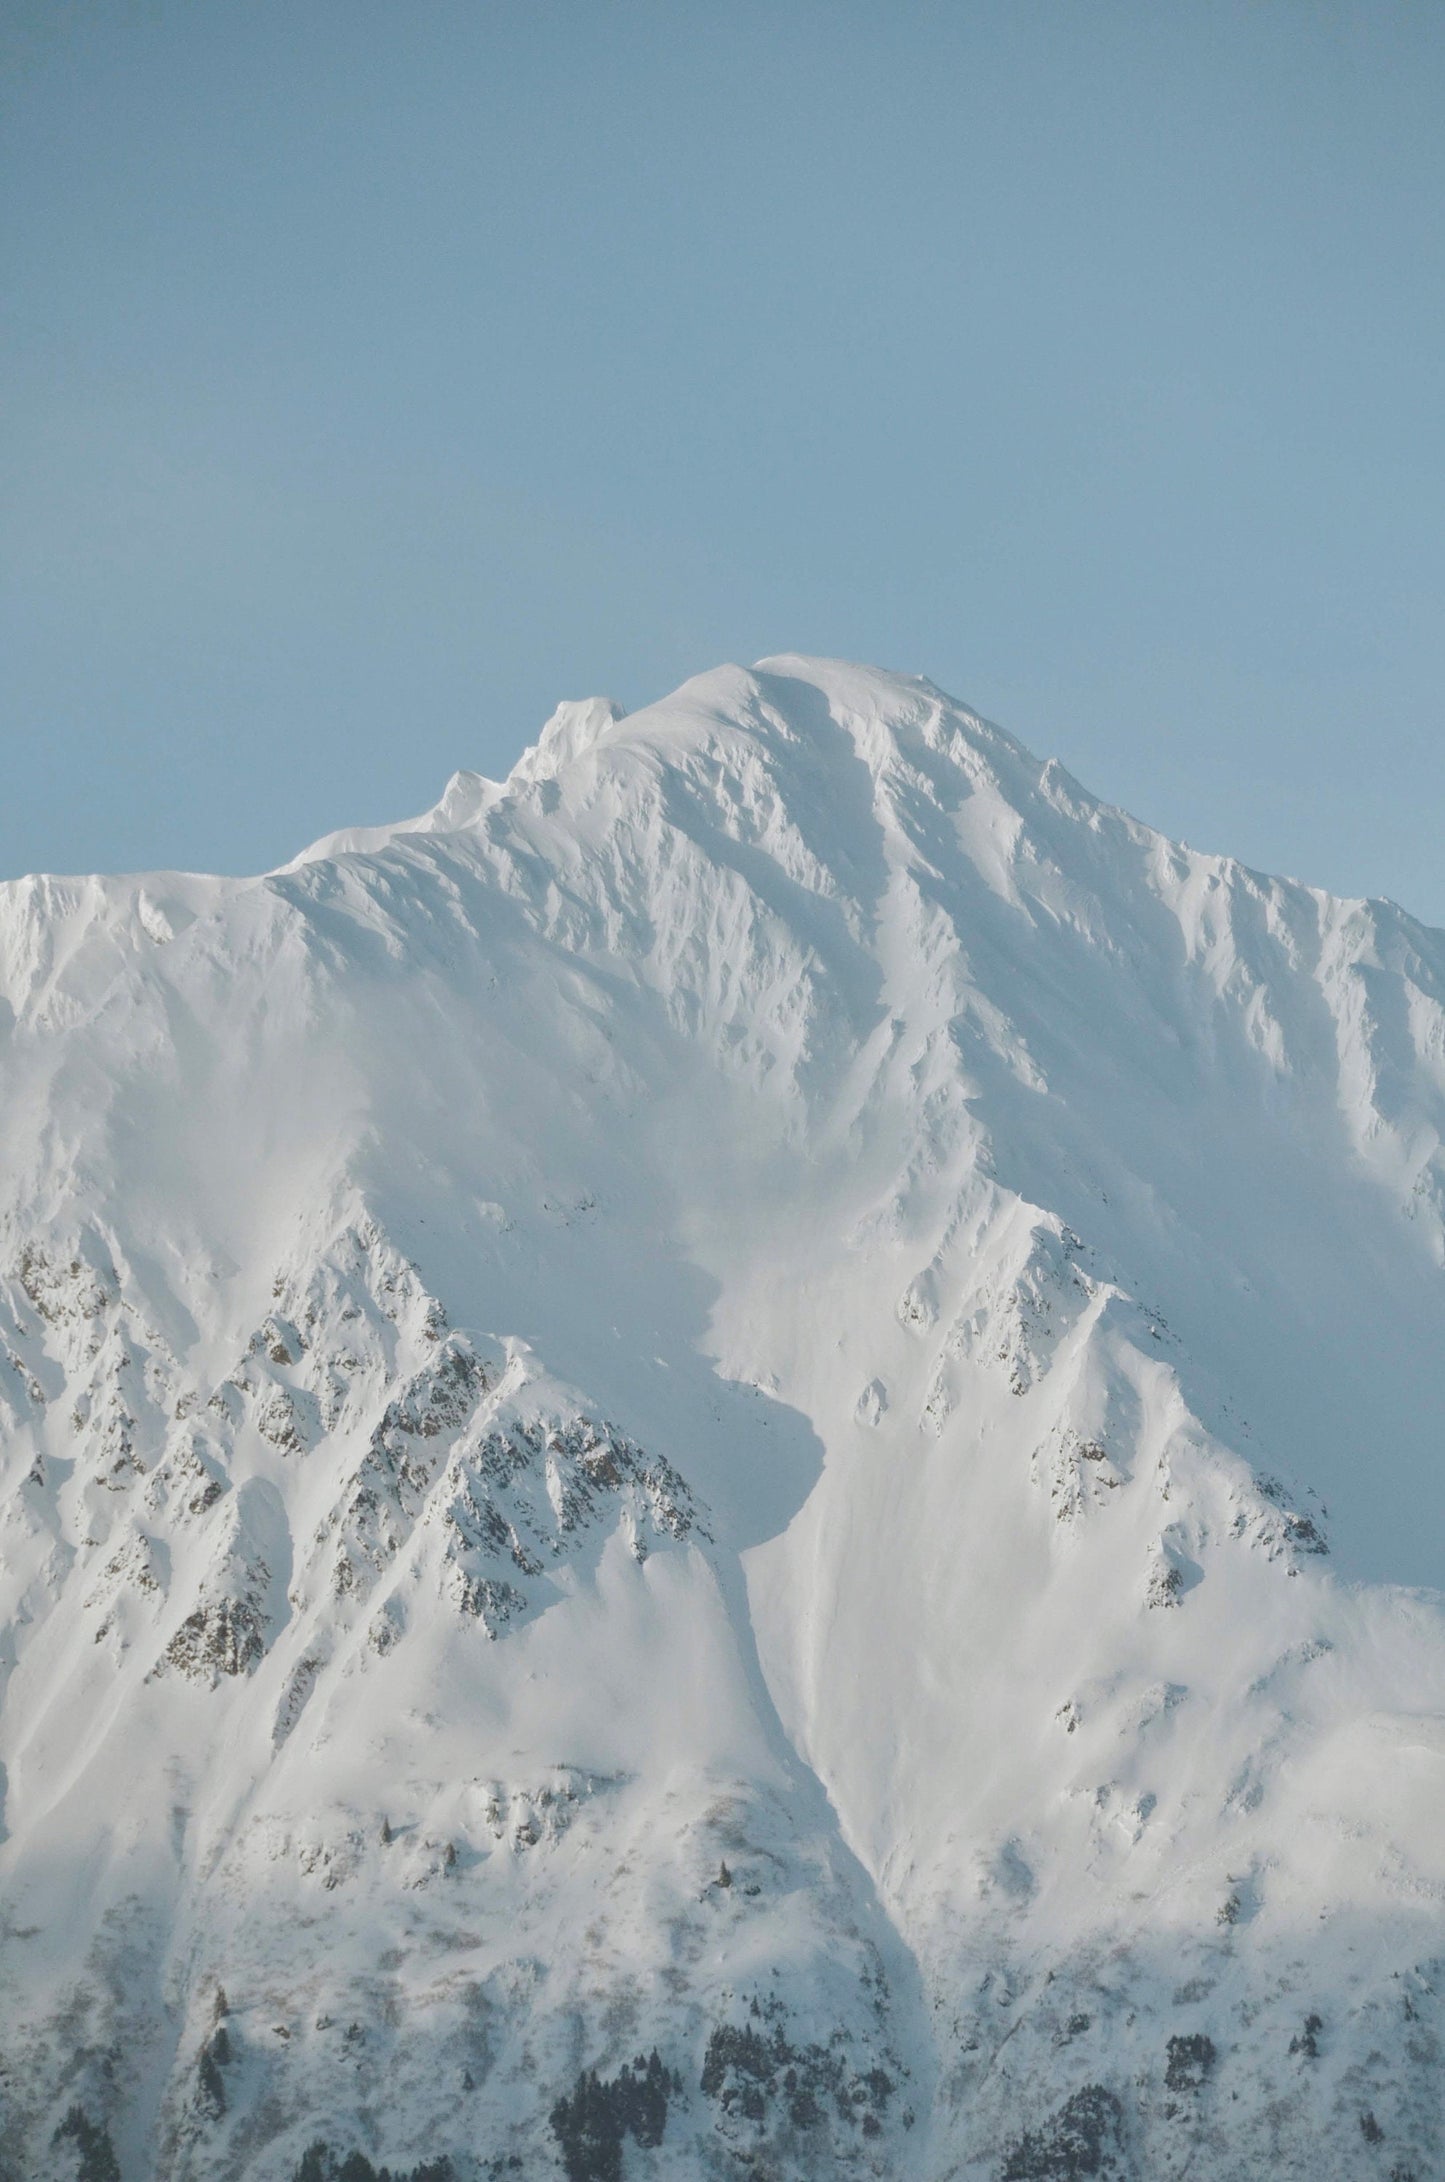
[{"x": 678, "y": 1440}]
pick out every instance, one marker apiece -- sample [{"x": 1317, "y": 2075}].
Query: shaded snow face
[{"x": 684, "y": 1458}]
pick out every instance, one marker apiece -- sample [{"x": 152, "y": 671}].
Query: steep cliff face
[{"x": 724, "y": 1462}]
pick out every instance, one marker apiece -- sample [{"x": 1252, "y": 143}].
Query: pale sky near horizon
[{"x": 373, "y": 377}]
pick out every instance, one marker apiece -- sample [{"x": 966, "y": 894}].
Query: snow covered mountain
[{"x": 725, "y": 1463}]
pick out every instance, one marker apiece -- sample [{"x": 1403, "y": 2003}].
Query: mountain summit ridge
[{"x": 783, "y": 1343}]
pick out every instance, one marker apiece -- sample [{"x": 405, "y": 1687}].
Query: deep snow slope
[{"x": 726, "y": 1462}]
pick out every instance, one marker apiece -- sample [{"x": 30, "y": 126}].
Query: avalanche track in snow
[{"x": 726, "y": 1462}]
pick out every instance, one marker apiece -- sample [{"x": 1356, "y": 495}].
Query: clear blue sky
[{"x": 375, "y": 375}]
